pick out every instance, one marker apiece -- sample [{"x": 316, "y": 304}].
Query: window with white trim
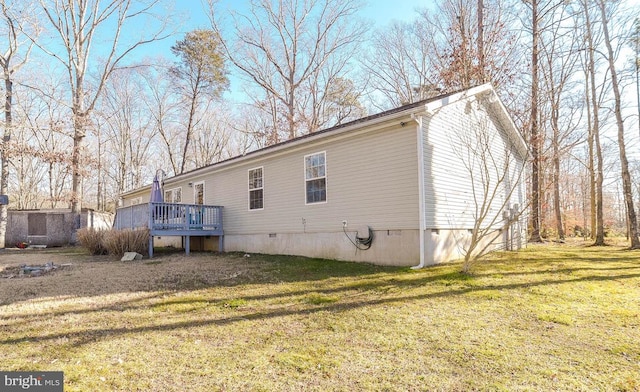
[
  {"x": 173, "y": 195},
  {"x": 198, "y": 193},
  {"x": 256, "y": 189},
  {"x": 315, "y": 177}
]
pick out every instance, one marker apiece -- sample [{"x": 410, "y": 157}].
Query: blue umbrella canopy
[{"x": 156, "y": 191}]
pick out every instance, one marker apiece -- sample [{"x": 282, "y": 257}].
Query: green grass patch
[
  {"x": 555, "y": 318},
  {"x": 319, "y": 299},
  {"x": 552, "y": 317},
  {"x": 234, "y": 303}
]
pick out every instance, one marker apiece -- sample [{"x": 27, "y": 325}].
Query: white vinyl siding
[
  {"x": 369, "y": 186},
  {"x": 455, "y": 180},
  {"x": 315, "y": 178},
  {"x": 256, "y": 188}
]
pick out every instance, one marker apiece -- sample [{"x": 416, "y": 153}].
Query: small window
[
  {"x": 173, "y": 195},
  {"x": 256, "y": 189},
  {"x": 315, "y": 176}
]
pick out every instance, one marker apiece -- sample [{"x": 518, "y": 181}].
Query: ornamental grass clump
[
  {"x": 92, "y": 240},
  {"x": 117, "y": 242}
]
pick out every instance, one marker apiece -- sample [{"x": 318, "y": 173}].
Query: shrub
[
  {"x": 92, "y": 240},
  {"x": 117, "y": 242}
]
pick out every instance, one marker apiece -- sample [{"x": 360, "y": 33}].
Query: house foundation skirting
[{"x": 389, "y": 247}]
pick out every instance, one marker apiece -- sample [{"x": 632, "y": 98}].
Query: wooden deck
[{"x": 173, "y": 219}]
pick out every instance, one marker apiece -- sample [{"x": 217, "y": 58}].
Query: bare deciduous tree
[
  {"x": 624, "y": 162},
  {"x": 281, "y": 46},
  {"x": 77, "y": 25},
  {"x": 596, "y": 160},
  {"x": 400, "y": 64},
  {"x": 163, "y": 108},
  {"x": 460, "y": 31},
  {"x": 558, "y": 46},
  {"x": 10, "y": 64},
  {"x": 495, "y": 167},
  {"x": 126, "y": 127}
]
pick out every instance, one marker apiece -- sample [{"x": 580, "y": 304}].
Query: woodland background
[{"x": 87, "y": 118}]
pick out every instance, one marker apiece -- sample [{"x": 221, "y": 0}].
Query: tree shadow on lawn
[
  {"x": 97, "y": 276},
  {"x": 350, "y": 300},
  {"x": 92, "y": 276}
]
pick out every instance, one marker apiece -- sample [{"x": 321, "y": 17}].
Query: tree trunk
[
  {"x": 535, "y": 142},
  {"x": 624, "y": 163},
  {"x": 4, "y": 153},
  {"x": 556, "y": 185},
  {"x": 189, "y": 136},
  {"x": 76, "y": 160},
  {"x": 481, "y": 62},
  {"x": 590, "y": 166},
  {"x": 636, "y": 61},
  {"x": 595, "y": 131}
]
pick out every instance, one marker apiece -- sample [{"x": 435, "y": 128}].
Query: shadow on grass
[
  {"x": 346, "y": 303},
  {"x": 273, "y": 269}
]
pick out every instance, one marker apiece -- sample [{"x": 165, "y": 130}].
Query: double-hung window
[
  {"x": 256, "y": 189},
  {"x": 315, "y": 176}
]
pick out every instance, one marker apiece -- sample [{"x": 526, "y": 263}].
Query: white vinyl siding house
[{"x": 401, "y": 173}]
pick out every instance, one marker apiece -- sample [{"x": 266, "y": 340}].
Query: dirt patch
[{"x": 85, "y": 275}]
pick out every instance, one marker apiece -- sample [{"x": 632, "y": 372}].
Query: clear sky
[
  {"x": 193, "y": 15},
  {"x": 380, "y": 12}
]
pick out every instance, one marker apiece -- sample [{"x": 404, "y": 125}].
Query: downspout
[{"x": 423, "y": 221}]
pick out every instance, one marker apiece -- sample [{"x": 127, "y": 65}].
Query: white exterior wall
[
  {"x": 371, "y": 181},
  {"x": 455, "y": 177}
]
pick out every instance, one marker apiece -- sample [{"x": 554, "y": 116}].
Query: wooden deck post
[{"x": 150, "y": 246}]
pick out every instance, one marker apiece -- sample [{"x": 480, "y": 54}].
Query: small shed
[{"x": 51, "y": 227}]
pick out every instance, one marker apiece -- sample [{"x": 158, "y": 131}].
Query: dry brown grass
[
  {"x": 92, "y": 240},
  {"x": 553, "y": 317},
  {"x": 117, "y": 242},
  {"x": 114, "y": 242}
]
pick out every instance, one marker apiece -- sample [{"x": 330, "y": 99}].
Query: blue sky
[
  {"x": 193, "y": 15},
  {"x": 380, "y": 12}
]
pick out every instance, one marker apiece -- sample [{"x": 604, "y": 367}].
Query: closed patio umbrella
[{"x": 156, "y": 191}]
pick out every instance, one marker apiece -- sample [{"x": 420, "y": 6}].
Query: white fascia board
[
  {"x": 507, "y": 122},
  {"x": 433, "y": 106}
]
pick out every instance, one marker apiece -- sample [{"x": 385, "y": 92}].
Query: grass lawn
[{"x": 552, "y": 317}]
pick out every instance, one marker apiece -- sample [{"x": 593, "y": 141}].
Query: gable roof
[{"x": 427, "y": 106}]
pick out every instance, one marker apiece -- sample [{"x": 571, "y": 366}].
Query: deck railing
[{"x": 170, "y": 217}]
